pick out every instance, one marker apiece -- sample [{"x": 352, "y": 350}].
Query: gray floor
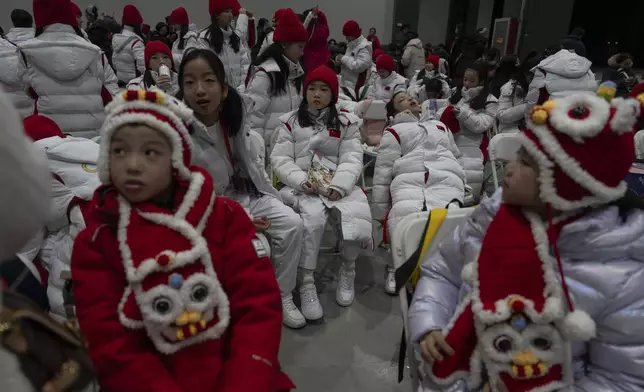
[{"x": 356, "y": 348}]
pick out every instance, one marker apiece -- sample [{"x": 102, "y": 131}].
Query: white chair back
[{"x": 404, "y": 242}]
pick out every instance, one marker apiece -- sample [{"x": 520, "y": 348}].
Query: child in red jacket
[{"x": 173, "y": 290}]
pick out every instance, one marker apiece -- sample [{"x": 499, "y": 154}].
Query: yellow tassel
[
  {"x": 549, "y": 105},
  {"x": 193, "y": 329},
  {"x": 180, "y": 335},
  {"x": 539, "y": 116},
  {"x": 160, "y": 98},
  {"x": 202, "y": 323},
  {"x": 515, "y": 370},
  {"x": 529, "y": 371},
  {"x": 142, "y": 95},
  {"x": 543, "y": 370}
]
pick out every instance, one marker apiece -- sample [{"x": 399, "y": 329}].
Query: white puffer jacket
[
  {"x": 17, "y": 35},
  {"x": 235, "y": 63},
  {"x": 68, "y": 75},
  {"x": 129, "y": 54},
  {"x": 241, "y": 28},
  {"x": 473, "y": 125},
  {"x": 72, "y": 162},
  {"x": 268, "y": 41},
  {"x": 356, "y": 60},
  {"x": 139, "y": 83},
  {"x": 383, "y": 89},
  {"x": 512, "y": 107},
  {"x": 291, "y": 160},
  {"x": 11, "y": 78},
  {"x": 417, "y": 164},
  {"x": 561, "y": 74},
  {"x": 266, "y": 108},
  {"x": 413, "y": 58},
  {"x": 189, "y": 40}
]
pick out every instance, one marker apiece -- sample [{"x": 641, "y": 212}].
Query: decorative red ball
[
  {"x": 164, "y": 260},
  {"x": 518, "y": 306}
]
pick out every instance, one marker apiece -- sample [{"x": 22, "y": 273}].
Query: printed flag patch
[{"x": 260, "y": 250}]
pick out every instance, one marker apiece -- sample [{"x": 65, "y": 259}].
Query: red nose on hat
[
  {"x": 157, "y": 47},
  {"x": 584, "y": 148},
  {"x": 385, "y": 62},
  {"x": 326, "y": 75},
  {"x": 48, "y": 12},
  {"x": 131, "y": 16},
  {"x": 434, "y": 60},
  {"x": 179, "y": 16},
  {"x": 39, "y": 127},
  {"x": 377, "y": 53},
  {"x": 351, "y": 29},
  {"x": 217, "y": 7},
  {"x": 290, "y": 28}
]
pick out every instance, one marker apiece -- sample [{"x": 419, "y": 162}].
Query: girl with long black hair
[
  {"x": 129, "y": 47},
  {"x": 275, "y": 88},
  {"x": 181, "y": 23},
  {"x": 222, "y": 139},
  {"x": 221, "y": 38},
  {"x": 318, "y": 156},
  {"x": 512, "y": 103}
]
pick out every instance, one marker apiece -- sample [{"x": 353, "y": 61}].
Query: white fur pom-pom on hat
[{"x": 579, "y": 326}]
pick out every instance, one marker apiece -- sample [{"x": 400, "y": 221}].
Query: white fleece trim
[
  {"x": 117, "y": 121},
  {"x": 627, "y": 111},
  {"x": 192, "y": 194},
  {"x": 578, "y": 129}
]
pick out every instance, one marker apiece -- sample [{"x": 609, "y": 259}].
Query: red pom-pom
[
  {"x": 132, "y": 95},
  {"x": 150, "y": 96},
  {"x": 164, "y": 260},
  {"x": 517, "y": 306}
]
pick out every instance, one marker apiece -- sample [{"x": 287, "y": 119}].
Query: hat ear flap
[{"x": 461, "y": 336}]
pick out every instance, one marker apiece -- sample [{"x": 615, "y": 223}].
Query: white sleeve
[
  {"x": 241, "y": 28},
  {"x": 389, "y": 151},
  {"x": 478, "y": 121},
  {"x": 26, "y": 180},
  {"x": 360, "y": 63},
  {"x": 283, "y": 159},
  {"x": 350, "y": 161},
  {"x": 258, "y": 95},
  {"x": 138, "y": 50}
]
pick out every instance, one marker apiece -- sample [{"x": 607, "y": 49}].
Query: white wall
[
  {"x": 432, "y": 21},
  {"x": 369, "y": 13}
]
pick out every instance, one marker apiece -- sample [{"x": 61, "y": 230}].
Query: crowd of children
[{"x": 162, "y": 213}]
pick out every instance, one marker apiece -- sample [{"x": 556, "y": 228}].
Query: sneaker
[
  {"x": 311, "y": 308},
  {"x": 390, "y": 281},
  {"x": 345, "y": 293},
  {"x": 291, "y": 315}
]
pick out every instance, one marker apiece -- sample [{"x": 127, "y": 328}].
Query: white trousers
[
  {"x": 314, "y": 217},
  {"x": 285, "y": 235}
]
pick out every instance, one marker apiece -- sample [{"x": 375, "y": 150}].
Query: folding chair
[
  {"x": 503, "y": 147},
  {"x": 416, "y": 238}
]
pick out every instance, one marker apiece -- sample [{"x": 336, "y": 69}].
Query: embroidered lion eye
[
  {"x": 162, "y": 305},
  {"x": 541, "y": 343},
  {"x": 199, "y": 293},
  {"x": 503, "y": 344}
]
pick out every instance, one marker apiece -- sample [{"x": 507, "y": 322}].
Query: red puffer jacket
[{"x": 317, "y": 52}]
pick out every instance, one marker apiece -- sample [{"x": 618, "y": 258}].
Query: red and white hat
[
  {"x": 48, "y": 12},
  {"x": 216, "y": 7},
  {"x": 584, "y": 147},
  {"x": 385, "y": 62},
  {"x": 290, "y": 28},
  {"x": 154, "y": 108},
  {"x": 154, "y": 47},
  {"x": 517, "y": 297}
]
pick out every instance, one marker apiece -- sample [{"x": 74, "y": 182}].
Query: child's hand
[
  {"x": 261, "y": 223},
  {"x": 164, "y": 82},
  {"x": 309, "y": 188},
  {"x": 432, "y": 345},
  {"x": 334, "y": 195}
]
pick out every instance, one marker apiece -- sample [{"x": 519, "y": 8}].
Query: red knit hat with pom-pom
[
  {"x": 584, "y": 147},
  {"x": 39, "y": 127},
  {"x": 48, "y": 12},
  {"x": 351, "y": 29},
  {"x": 434, "y": 60},
  {"x": 132, "y": 16},
  {"x": 217, "y": 7},
  {"x": 278, "y": 14},
  {"x": 179, "y": 16},
  {"x": 326, "y": 75},
  {"x": 386, "y": 62},
  {"x": 290, "y": 28},
  {"x": 377, "y": 53},
  {"x": 157, "y": 47}
]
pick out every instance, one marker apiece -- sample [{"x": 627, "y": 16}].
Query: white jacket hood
[
  {"x": 415, "y": 42},
  {"x": 20, "y": 34},
  {"x": 63, "y": 65},
  {"x": 70, "y": 149},
  {"x": 566, "y": 64}
]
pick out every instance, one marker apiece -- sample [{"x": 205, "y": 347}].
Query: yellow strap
[{"x": 436, "y": 218}]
